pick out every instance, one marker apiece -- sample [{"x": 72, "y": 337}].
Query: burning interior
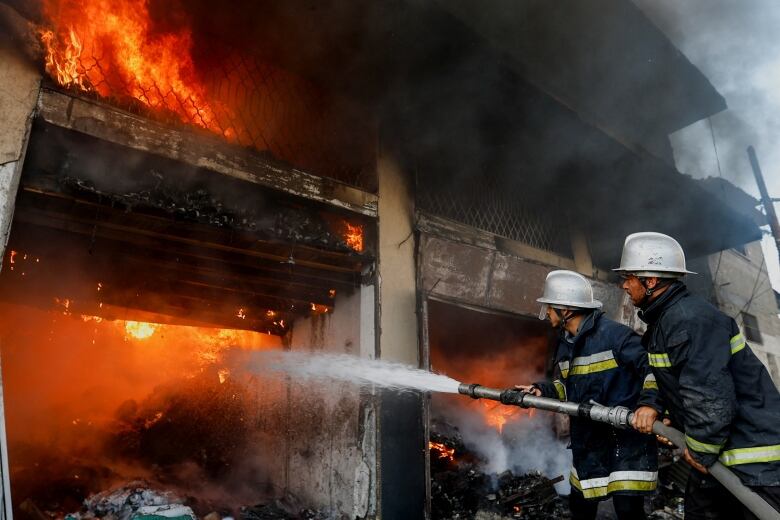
[
  {"x": 137, "y": 285},
  {"x": 476, "y": 447}
]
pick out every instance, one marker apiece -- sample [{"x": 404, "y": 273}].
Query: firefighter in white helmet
[
  {"x": 601, "y": 360},
  {"x": 714, "y": 387}
]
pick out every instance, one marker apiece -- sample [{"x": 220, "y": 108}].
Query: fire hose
[{"x": 620, "y": 417}]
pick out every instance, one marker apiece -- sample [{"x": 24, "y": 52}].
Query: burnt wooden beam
[
  {"x": 98, "y": 221},
  {"x": 196, "y": 148}
]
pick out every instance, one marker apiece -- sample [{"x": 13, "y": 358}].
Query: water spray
[{"x": 620, "y": 417}]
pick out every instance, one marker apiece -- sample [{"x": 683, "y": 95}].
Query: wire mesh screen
[
  {"x": 487, "y": 205},
  {"x": 247, "y": 101}
]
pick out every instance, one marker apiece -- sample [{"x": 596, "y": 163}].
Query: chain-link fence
[
  {"x": 248, "y": 101},
  {"x": 486, "y": 204}
]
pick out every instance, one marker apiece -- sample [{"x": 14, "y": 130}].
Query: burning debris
[{"x": 460, "y": 488}]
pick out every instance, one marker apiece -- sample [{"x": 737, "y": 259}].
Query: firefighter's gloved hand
[
  {"x": 695, "y": 465},
  {"x": 661, "y": 438},
  {"x": 643, "y": 419},
  {"x": 531, "y": 389}
]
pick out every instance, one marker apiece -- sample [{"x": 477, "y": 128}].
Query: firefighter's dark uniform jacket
[
  {"x": 714, "y": 386},
  {"x": 606, "y": 362}
]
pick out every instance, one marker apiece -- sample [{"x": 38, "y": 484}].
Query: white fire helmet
[
  {"x": 566, "y": 290},
  {"x": 652, "y": 254}
]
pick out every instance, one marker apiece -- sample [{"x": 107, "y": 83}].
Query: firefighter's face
[
  {"x": 634, "y": 288},
  {"x": 553, "y": 317}
]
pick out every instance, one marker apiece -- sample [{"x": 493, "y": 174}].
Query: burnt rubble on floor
[
  {"x": 139, "y": 500},
  {"x": 460, "y": 489}
]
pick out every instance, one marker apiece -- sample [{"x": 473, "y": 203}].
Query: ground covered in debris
[
  {"x": 460, "y": 489},
  {"x": 139, "y": 501}
]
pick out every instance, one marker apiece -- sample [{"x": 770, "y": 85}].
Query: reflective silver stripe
[
  {"x": 650, "y": 383},
  {"x": 594, "y": 363},
  {"x": 564, "y": 367},
  {"x": 593, "y": 358},
  {"x": 616, "y": 481},
  {"x": 737, "y": 343},
  {"x": 751, "y": 455},
  {"x": 659, "y": 360}
]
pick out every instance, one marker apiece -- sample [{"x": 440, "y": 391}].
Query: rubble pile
[
  {"x": 138, "y": 501},
  {"x": 134, "y": 501},
  {"x": 460, "y": 489}
]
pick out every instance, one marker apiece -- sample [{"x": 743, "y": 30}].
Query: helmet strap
[
  {"x": 650, "y": 290},
  {"x": 561, "y": 317}
]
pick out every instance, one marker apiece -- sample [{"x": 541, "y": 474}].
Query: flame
[
  {"x": 497, "y": 415},
  {"x": 140, "y": 329},
  {"x": 316, "y": 308},
  {"x": 241, "y": 314},
  {"x": 223, "y": 374},
  {"x": 109, "y": 47},
  {"x": 148, "y": 423},
  {"x": 354, "y": 237},
  {"x": 442, "y": 450},
  {"x": 13, "y": 254}
]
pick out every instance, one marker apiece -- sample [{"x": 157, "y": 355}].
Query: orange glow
[
  {"x": 241, "y": 314},
  {"x": 100, "y": 44},
  {"x": 13, "y": 254},
  {"x": 140, "y": 329},
  {"x": 441, "y": 450},
  {"x": 354, "y": 237},
  {"x": 497, "y": 415}
]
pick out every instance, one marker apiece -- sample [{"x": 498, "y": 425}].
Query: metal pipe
[{"x": 620, "y": 417}]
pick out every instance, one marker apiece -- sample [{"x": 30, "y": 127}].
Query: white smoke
[
  {"x": 526, "y": 444},
  {"x": 736, "y": 46}
]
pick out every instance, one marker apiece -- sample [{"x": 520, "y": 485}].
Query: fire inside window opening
[
  {"x": 472, "y": 443},
  {"x": 130, "y": 316},
  {"x": 114, "y": 51}
]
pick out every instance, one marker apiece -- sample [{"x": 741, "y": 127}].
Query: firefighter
[
  {"x": 714, "y": 387},
  {"x": 601, "y": 360}
]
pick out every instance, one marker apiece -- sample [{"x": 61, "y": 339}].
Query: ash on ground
[{"x": 140, "y": 500}]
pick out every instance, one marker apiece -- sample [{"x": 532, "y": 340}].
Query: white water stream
[{"x": 342, "y": 367}]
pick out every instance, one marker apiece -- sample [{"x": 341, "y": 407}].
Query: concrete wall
[
  {"x": 19, "y": 83},
  {"x": 330, "y": 459},
  {"x": 741, "y": 284},
  {"x": 493, "y": 279}
]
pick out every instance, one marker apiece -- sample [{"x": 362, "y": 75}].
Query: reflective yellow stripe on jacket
[
  {"x": 598, "y": 362},
  {"x": 616, "y": 481},
  {"x": 753, "y": 455},
  {"x": 650, "y": 383},
  {"x": 662, "y": 360},
  {"x": 737, "y": 343},
  {"x": 702, "y": 447},
  {"x": 560, "y": 389},
  {"x": 659, "y": 360}
]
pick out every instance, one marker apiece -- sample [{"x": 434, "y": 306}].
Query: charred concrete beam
[{"x": 102, "y": 121}]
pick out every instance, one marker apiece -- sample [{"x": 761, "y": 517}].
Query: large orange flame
[{"x": 108, "y": 46}]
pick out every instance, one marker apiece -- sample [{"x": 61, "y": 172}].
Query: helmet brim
[{"x": 595, "y": 304}]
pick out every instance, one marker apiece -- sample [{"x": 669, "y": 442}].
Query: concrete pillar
[
  {"x": 397, "y": 276},
  {"x": 581, "y": 252},
  {"x": 401, "y": 423}
]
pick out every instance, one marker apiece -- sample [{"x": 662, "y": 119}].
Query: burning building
[{"x": 181, "y": 187}]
